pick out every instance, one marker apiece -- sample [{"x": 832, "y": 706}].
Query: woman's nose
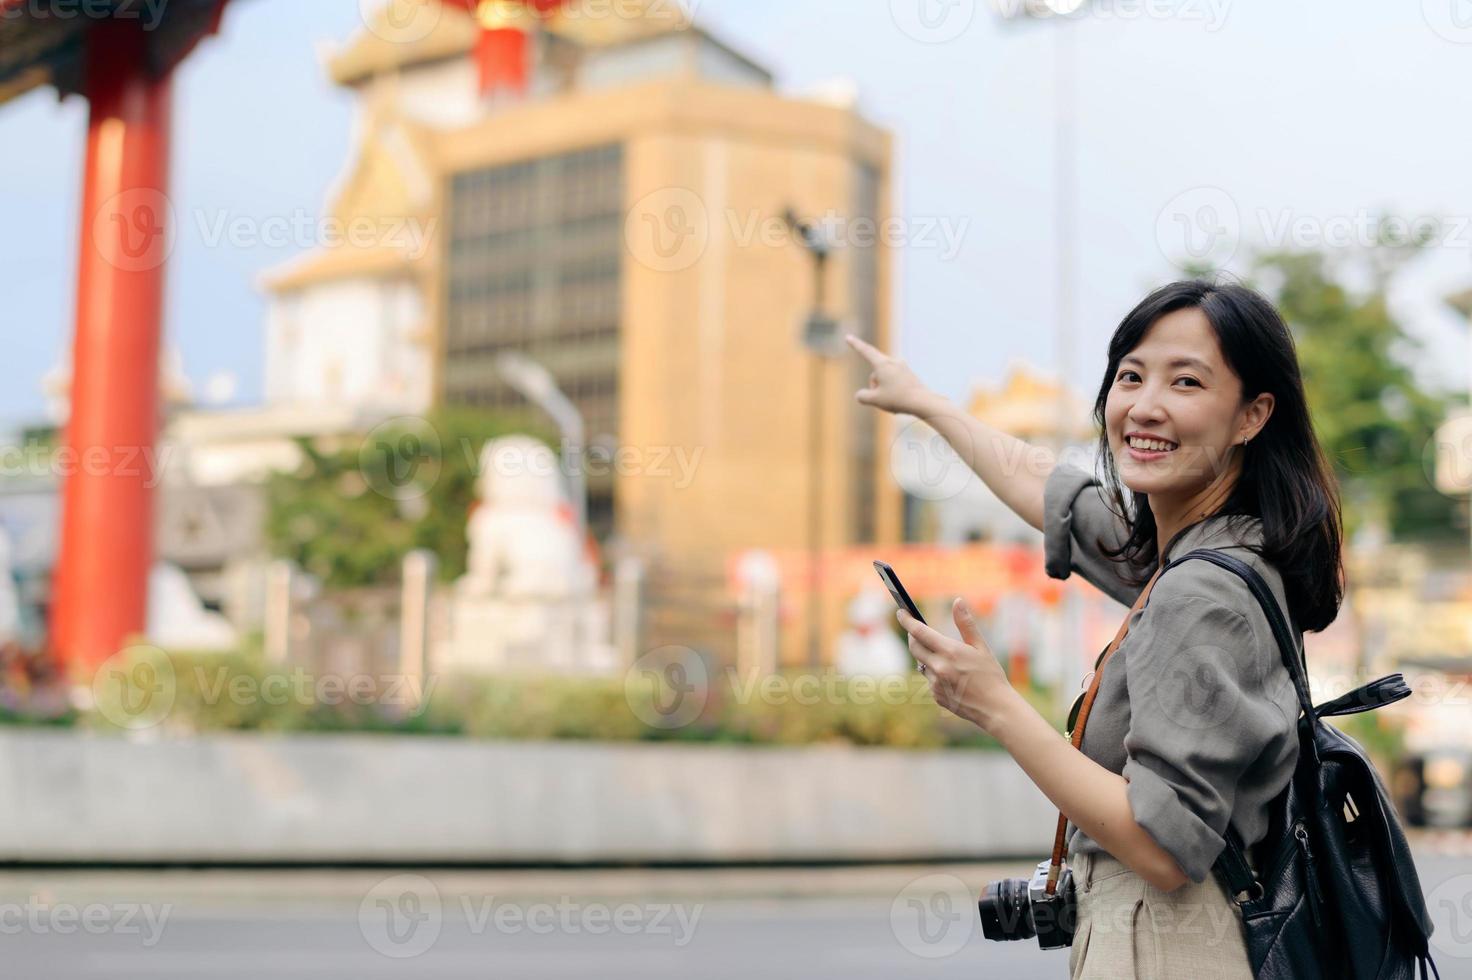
[{"x": 1146, "y": 409}]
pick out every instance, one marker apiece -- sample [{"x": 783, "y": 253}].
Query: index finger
[
  {"x": 931, "y": 637},
  {"x": 870, "y": 353}
]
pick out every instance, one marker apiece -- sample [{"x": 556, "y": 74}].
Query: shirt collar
[{"x": 1217, "y": 531}]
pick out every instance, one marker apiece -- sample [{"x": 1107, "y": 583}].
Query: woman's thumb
[{"x": 965, "y": 621}]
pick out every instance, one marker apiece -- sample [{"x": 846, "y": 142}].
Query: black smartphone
[{"x": 897, "y": 589}]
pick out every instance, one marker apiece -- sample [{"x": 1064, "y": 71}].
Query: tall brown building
[{"x": 623, "y": 226}]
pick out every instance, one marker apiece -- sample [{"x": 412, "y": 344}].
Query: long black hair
[{"x": 1286, "y": 479}]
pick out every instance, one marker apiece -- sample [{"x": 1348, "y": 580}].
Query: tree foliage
[
  {"x": 1375, "y": 421},
  {"x": 355, "y": 507}
]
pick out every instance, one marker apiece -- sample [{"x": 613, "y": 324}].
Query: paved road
[{"x": 849, "y": 923}]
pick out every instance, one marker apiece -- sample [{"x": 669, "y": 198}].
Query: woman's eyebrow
[{"x": 1196, "y": 363}]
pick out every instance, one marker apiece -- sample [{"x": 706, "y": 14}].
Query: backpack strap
[
  {"x": 1376, "y": 694},
  {"x": 1232, "y": 865}
]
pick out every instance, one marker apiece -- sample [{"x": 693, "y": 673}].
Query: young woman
[{"x": 1203, "y": 417}]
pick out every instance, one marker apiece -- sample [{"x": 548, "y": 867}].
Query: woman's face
[{"x": 1194, "y": 406}]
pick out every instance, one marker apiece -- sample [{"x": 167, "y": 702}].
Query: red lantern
[{"x": 503, "y": 52}]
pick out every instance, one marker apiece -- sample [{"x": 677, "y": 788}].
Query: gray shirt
[{"x": 1195, "y": 709}]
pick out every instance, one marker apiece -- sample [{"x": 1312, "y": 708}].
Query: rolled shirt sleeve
[
  {"x": 1075, "y": 519},
  {"x": 1199, "y": 718}
]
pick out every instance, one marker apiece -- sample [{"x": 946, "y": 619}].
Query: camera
[{"x": 1017, "y": 909}]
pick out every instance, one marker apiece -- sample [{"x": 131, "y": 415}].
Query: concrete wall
[{"x": 67, "y": 796}]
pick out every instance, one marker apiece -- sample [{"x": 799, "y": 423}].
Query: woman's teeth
[{"x": 1151, "y": 445}]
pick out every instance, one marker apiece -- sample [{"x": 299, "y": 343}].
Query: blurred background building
[{"x": 623, "y": 225}]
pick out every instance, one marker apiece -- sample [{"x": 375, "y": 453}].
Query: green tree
[
  {"x": 1372, "y": 417},
  {"x": 355, "y": 507}
]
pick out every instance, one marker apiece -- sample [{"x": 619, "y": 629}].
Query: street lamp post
[
  {"x": 820, "y": 332},
  {"x": 537, "y": 385},
  {"x": 1065, "y": 166}
]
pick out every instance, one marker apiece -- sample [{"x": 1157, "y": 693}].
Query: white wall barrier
[{"x": 247, "y": 797}]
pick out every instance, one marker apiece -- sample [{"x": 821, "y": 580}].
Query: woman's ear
[{"x": 1258, "y": 414}]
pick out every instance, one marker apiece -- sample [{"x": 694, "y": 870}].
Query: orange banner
[{"x": 927, "y": 570}]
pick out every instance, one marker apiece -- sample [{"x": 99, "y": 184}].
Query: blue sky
[{"x": 1260, "y": 120}]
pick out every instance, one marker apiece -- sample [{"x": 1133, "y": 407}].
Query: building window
[{"x": 535, "y": 266}]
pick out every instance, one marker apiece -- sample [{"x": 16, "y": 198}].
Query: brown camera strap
[{"x": 1056, "y": 868}]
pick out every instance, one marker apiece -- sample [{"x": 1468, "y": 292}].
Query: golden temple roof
[{"x": 1026, "y": 406}]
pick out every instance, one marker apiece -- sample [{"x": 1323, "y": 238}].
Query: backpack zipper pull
[{"x": 1314, "y": 896}]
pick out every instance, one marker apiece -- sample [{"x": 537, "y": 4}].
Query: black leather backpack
[{"x": 1339, "y": 895}]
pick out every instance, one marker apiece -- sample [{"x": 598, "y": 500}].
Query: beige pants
[{"x": 1127, "y": 929}]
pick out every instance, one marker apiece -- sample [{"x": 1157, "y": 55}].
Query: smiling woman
[{"x": 1193, "y": 716}]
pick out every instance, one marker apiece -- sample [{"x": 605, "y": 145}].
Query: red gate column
[{"x": 101, "y": 585}]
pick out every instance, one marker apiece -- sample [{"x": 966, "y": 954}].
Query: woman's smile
[{"x": 1147, "y": 455}]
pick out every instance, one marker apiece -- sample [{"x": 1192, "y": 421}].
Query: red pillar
[{"x": 101, "y": 586}]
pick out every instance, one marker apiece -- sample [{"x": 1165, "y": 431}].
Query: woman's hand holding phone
[{"x": 965, "y": 677}]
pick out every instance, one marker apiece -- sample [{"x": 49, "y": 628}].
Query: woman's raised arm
[{"x": 1016, "y": 471}]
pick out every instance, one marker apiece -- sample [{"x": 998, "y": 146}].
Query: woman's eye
[{"x": 1122, "y": 377}]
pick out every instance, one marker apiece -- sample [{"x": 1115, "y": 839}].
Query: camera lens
[{"x": 1006, "y": 912}]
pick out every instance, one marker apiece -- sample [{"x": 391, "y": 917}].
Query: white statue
[
  {"x": 178, "y": 620},
  {"x": 524, "y": 539},
  {"x": 869, "y": 647},
  {"x": 529, "y": 597}
]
